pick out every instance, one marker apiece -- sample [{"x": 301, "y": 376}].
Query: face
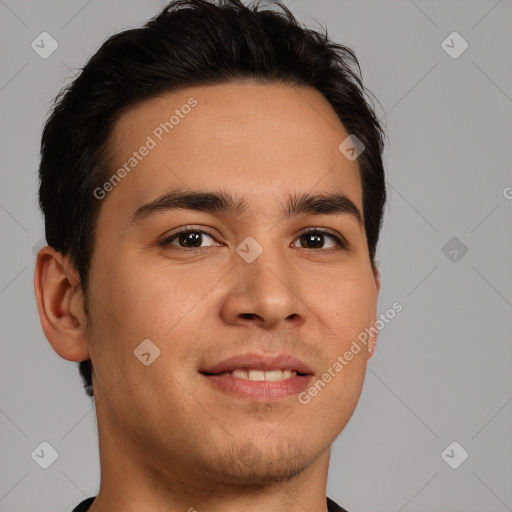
[{"x": 262, "y": 276}]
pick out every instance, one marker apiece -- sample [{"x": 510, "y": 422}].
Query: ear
[
  {"x": 372, "y": 341},
  {"x": 376, "y": 275},
  {"x": 60, "y": 303}
]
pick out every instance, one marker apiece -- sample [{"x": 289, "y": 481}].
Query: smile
[{"x": 259, "y": 375}]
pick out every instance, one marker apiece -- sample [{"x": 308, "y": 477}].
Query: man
[{"x": 213, "y": 192}]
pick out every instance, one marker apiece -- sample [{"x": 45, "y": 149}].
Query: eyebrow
[{"x": 224, "y": 202}]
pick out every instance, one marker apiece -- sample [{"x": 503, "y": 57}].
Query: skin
[{"x": 168, "y": 440}]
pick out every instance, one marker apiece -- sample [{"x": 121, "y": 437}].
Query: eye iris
[
  {"x": 315, "y": 238},
  {"x": 190, "y": 239}
]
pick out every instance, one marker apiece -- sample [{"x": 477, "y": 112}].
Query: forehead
[{"x": 261, "y": 140}]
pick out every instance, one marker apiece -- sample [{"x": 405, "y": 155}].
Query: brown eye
[
  {"x": 315, "y": 239},
  {"x": 188, "y": 239}
]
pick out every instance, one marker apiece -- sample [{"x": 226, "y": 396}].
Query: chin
[{"x": 252, "y": 466}]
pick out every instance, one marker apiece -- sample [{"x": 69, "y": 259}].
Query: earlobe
[
  {"x": 60, "y": 304},
  {"x": 372, "y": 342}
]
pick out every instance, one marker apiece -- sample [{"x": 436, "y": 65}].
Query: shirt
[{"x": 332, "y": 506}]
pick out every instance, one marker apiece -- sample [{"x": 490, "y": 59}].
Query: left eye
[{"x": 314, "y": 237}]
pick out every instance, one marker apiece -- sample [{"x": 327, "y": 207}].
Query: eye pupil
[
  {"x": 190, "y": 238},
  {"x": 316, "y": 240}
]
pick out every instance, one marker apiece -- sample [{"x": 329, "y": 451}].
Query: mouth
[
  {"x": 260, "y": 378},
  {"x": 254, "y": 374}
]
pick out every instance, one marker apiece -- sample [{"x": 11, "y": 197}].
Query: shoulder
[
  {"x": 332, "y": 506},
  {"x": 84, "y": 505}
]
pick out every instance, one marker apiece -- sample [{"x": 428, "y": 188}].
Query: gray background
[{"x": 441, "y": 372}]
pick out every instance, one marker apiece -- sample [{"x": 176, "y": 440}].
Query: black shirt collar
[{"x": 332, "y": 506}]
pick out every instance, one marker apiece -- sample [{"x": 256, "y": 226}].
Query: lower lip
[{"x": 260, "y": 390}]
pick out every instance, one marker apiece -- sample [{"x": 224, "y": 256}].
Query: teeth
[
  {"x": 258, "y": 375},
  {"x": 241, "y": 374}
]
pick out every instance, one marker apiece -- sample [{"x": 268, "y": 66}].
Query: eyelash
[{"x": 341, "y": 243}]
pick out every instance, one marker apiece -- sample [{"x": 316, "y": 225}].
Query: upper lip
[{"x": 259, "y": 362}]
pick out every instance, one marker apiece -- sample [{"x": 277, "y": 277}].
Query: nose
[{"x": 265, "y": 293}]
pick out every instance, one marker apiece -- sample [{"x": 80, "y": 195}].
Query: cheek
[
  {"x": 151, "y": 298},
  {"x": 346, "y": 304},
  {"x": 173, "y": 305}
]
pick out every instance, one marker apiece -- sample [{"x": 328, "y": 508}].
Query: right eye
[{"x": 187, "y": 239}]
